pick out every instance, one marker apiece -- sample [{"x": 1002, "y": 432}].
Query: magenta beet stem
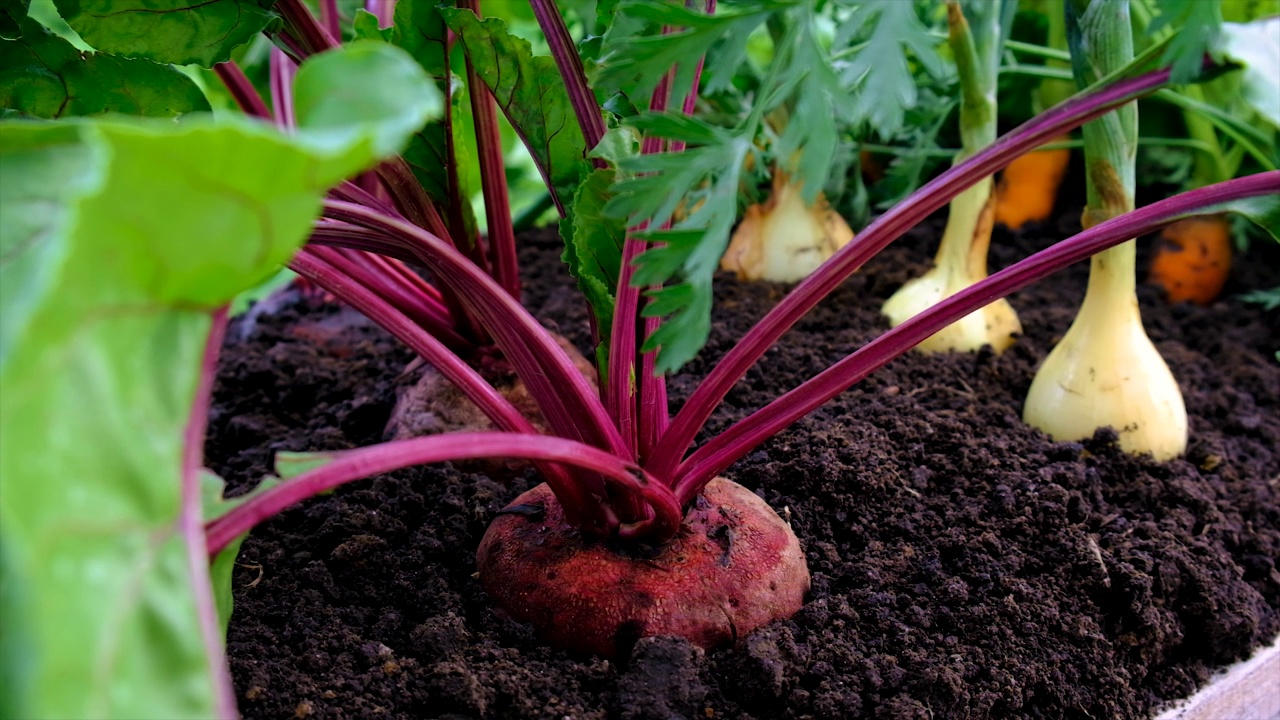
[
  {"x": 354, "y": 465},
  {"x": 191, "y": 523}
]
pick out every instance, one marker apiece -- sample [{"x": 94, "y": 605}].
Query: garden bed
[{"x": 963, "y": 566}]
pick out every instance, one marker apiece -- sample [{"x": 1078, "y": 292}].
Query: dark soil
[{"x": 963, "y": 565}]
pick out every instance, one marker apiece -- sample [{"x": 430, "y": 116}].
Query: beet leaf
[
  {"x": 44, "y": 76},
  {"x": 133, "y": 233},
  {"x": 11, "y": 16},
  {"x": 531, "y": 94},
  {"x": 182, "y": 33}
]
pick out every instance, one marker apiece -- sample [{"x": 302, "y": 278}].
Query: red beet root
[
  {"x": 433, "y": 405},
  {"x": 734, "y": 566}
]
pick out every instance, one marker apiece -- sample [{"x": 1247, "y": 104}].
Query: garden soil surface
[{"x": 964, "y": 566}]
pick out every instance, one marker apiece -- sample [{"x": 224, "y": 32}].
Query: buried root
[{"x": 734, "y": 566}]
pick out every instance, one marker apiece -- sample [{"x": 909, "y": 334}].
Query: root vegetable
[
  {"x": 782, "y": 239},
  {"x": 432, "y": 405},
  {"x": 1193, "y": 259},
  {"x": 962, "y": 254},
  {"x": 1107, "y": 372},
  {"x": 1028, "y": 188},
  {"x": 734, "y": 567},
  {"x": 961, "y": 262}
]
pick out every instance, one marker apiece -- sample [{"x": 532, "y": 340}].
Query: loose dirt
[{"x": 964, "y": 566}]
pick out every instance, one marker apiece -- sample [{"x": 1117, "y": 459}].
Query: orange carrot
[
  {"x": 1193, "y": 259},
  {"x": 1029, "y": 186}
]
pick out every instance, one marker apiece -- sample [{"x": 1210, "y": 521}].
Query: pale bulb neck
[
  {"x": 965, "y": 241},
  {"x": 1112, "y": 295}
]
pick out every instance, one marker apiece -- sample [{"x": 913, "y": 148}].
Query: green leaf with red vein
[
  {"x": 12, "y": 13},
  {"x": 531, "y": 94},
  {"x": 172, "y": 31},
  {"x": 126, "y": 233},
  {"x": 44, "y": 76}
]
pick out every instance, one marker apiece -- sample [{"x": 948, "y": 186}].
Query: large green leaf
[
  {"x": 143, "y": 227},
  {"x": 171, "y": 31},
  {"x": 15, "y": 641},
  {"x": 365, "y": 26},
  {"x": 45, "y": 76},
  {"x": 419, "y": 29},
  {"x": 12, "y": 13},
  {"x": 42, "y": 177},
  {"x": 531, "y": 94},
  {"x": 339, "y": 96},
  {"x": 45, "y": 13}
]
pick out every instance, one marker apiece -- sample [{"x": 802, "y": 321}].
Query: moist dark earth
[{"x": 964, "y": 566}]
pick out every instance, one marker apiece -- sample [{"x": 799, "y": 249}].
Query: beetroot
[
  {"x": 431, "y": 404},
  {"x": 733, "y": 567}
]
